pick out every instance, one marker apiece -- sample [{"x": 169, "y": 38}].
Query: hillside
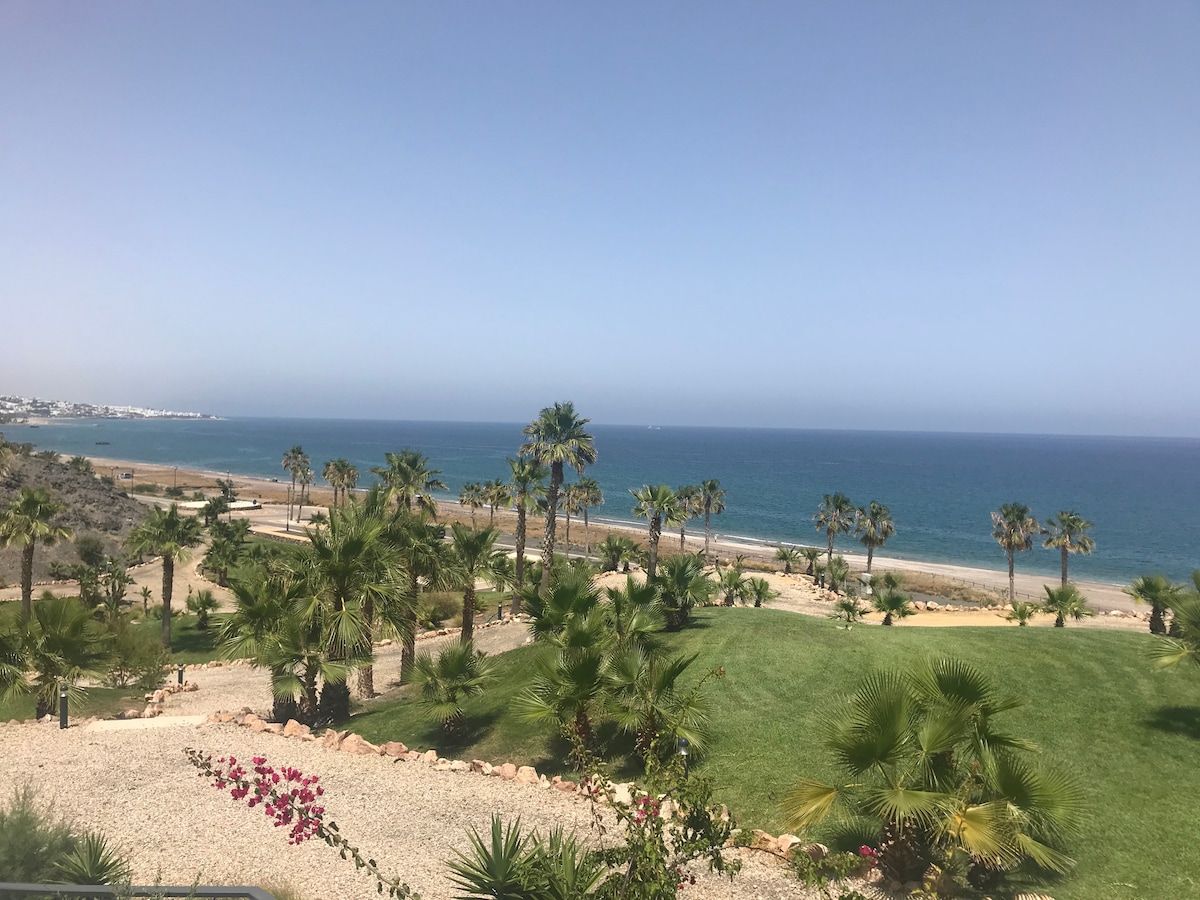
[{"x": 90, "y": 507}]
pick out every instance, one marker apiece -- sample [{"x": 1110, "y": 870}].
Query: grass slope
[{"x": 1094, "y": 706}]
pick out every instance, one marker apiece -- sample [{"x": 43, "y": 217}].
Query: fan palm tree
[
  {"x": 922, "y": 756},
  {"x": 568, "y": 502},
  {"x": 789, "y": 556},
  {"x": 477, "y": 558},
  {"x": 682, "y": 585},
  {"x": 167, "y": 534},
  {"x": 1161, "y": 593},
  {"x": 893, "y": 604},
  {"x": 645, "y": 697},
  {"x": 295, "y": 461},
  {"x": 634, "y": 614},
  {"x": 1023, "y": 612},
  {"x": 471, "y": 496},
  {"x": 848, "y": 610},
  {"x": 1013, "y": 528},
  {"x": 497, "y": 496},
  {"x": 810, "y": 556},
  {"x": 203, "y": 604},
  {"x": 873, "y": 525},
  {"x": 306, "y": 478},
  {"x": 409, "y": 480},
  {"x": 458, "y": 672},
  {"x": 614, "y": 550},
  {"x": 657, "y": 504},
  {"x": 712, "y": 501},
  {"x": 588, "y": 494},
  {"x": 332, "y": 477},
  {"x": 60, "y": 643},
  {"x": 527, "y": 489},
  {"x": 690, "y": 506},
  {"x": 834, "y": 516},
  {"x": 733, "y": 585},
  {"x": 1064, "y": 602},
  {"x": 837, "y": 572},
  {"x": 1183, "y": 643},
  {"x": 557, "y": 438},
  {"x": 1067, "y": 533},
  {"x": 27, "y": 521},
  {"x": 759, "y": 590}
]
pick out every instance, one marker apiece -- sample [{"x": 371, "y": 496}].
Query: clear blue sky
[{"x": 951, "y": 216}]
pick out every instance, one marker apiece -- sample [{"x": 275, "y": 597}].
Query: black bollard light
[
  {"x": 62, "y": 706},
  {"x": 499, "y": 611},
  {"x": 681, "y": 747},
  {"x": 179, "y": 672}
]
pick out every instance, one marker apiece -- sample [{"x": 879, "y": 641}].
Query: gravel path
[{"x": 134, "y": 783}]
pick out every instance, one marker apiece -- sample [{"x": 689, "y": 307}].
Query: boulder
[
  {"x": 430, "y": 756},
  {"x": 478, "y": 765},
  {"x": 257, "y": 725},
  {"x": 459, "y": 766},
  {"x": 623, "y": 793},
  {"x": 295, "y": 729},
  {"x": 527, "y": 775},
  {"x": 567, "y": 787},
  {"x": 412, "y": 756},
  {"x": 274, "y": 728},
  {"x": 394, "y": 749},
  {"x": 333, "y": 739},
  {"x": 763, "y": 841},
  {"x": 508, "y": 771},
  {"x": 786, "y": 842},
  {"x": 358, "y": 745},
  {"x": 816, "y": 852},
  {"x": 190, "y": 687},
  {"x": 933, "y": 604},
  {"x": 225, "y": 717}
]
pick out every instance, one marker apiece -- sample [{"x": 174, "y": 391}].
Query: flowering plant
[{"x": 290, "y": 798}]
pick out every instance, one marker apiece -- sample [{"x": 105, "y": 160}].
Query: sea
[{"x": 1143, "y": 494}]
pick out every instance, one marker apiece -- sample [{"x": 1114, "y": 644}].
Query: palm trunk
[
  {"x": 829, "y": 553},
  {"x": 308, "y": 698},
  {"x": 366, "y": 674},
  {"x": 1158, "y": 624},
  {"x": 167, "y": 586},
  {"x": 334, "y": 705},
  {"x": 1064, "y": 566},
  {"x": 300, "y": 512},
  {"x": 887, "y": 620},
  {"x": 556, "y": 477},
  {"x": 1012, "y": 581},
  {"x": 520, "y": 579},
  {"x": 707, "y": 534},
  {"x": 491, "y": 517},
  {"x": 870, "y": 557},
  {"x": 682, "y": 528},
  {"x": 408, "y": 653},
  {"x": 468, "y": 615},
  {"x": 291, "y": 494},
  {"x": 655, "y": 534},
  {"x": 1059, "y": 622},
  {"x": 567, "y": 536},
  {"x": 587, "y": 544},
  {"x": 27, "y": 579}
]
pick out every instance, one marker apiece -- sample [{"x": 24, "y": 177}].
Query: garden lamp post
[
  {"x": 179, "y": 672},
  {"x": 681, "y": 747},
  {"x": 62, "y": 706}
]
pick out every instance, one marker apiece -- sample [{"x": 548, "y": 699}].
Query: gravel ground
[{"x": 135, "y": 784}]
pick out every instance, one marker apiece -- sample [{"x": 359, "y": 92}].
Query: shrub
[
  {"x": 138, "y": 658},
  {"x": 174, "y": 491},
  {"x": 36, "y": 848},
  {"x": 437, "y": 608},
  {"x": 148, "y": 488}
]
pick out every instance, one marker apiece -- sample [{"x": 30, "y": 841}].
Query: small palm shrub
[
  {"x": 848, "y": 610},
  {"x": 836, "y": 573},
  {"x": 37, "y": 848},
  {"x": 457, "y": 673},
  {"x": 1065, "y": 602},
  {"x": 893, "y": 604},
  {"x": 202, "y": 603},
  {"x": 759, "y": 589},
  {"x": 1023, "y": 611}
]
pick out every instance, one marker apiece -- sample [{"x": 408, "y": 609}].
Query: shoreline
[{"x": 1101, "y": 595}]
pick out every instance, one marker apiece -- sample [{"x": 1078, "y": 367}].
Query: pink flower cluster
[
  {"x": 870, "y": 855},
  {"x": 287, "y": 795},
  {"x": 646, "y": 807}
]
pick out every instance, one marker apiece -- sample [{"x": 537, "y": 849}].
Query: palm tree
[
  {"x": 332, "y": 477},
  {"x": 789, "y": 556},
  {"x": 459, "y": 671},
  {"x": 1013, "y": 528},
  {"x": 614, "y": 550},
  {"x": 61, "y": 643},
  {"x": 1067, "y": 533},
  {"x": 646, "y": 699},
  {"x": 1023, "y": 612},
  {"x": 837, "y": 572},
  {"x": 526, "y": 489},
  {"x": 848, "y": 610},
  {"x": 569, "y": 503},
  {"x": 306, "y": 478},
  {"x": 496, "y": 494},
  {"x": 588, "y": 494},
  {"x": 656, "y": 504},
  {"x": 1183, "y": 643},
  {"x": 167, "y": 534},
  {"x": 557, "y": 438},
  {"x": 712, "y": 501},
  {"x": 759, "y": 589},
  {"x": 810, "y": 556},
  {"x": 409, "y": 480},
  {"x": 1162, "y": 595},
  {"x": 202, "y": 603},
  {"x": 690, "y": 506},
  {"x": 874, "y": 526},
  {"x": 27, "y": 521},
  {"x": 348, "y": 476},
  {"x": 477, "y": 557},
  {"x": 922, "y": 757},
  {"x": 635, "y": 614},
  {"x": 1066, "y": 601},
  {"x": 428, "y": 560},
  {"x": 471, "y": 496},
  {"x": 834, "y": 516},
  {"x": 893, "y": 604},
  {"x": 733, "y": 585},
  {"x": 295, "y": 461}
]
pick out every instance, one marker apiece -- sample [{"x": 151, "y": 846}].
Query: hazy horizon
[{"x": 980, "y": 219}]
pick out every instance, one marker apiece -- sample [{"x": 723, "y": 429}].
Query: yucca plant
[{"x": 459, "y": 671}]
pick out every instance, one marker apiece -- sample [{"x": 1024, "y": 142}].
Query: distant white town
[{"x": 22, "y": 409}]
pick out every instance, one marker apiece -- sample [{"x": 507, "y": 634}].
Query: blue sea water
[{"x": 1143, "y": 494}]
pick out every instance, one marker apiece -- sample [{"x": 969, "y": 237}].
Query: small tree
[
  {"x": 202, "y": 603},
  {"x": 458, "y": 672},
  {"x": 1066, "y": 602}
]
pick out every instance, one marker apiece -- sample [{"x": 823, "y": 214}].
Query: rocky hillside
[{"x": 89, "y": 507}]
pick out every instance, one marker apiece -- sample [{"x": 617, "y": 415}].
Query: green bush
[
  {"x": 37, "y": 848},
  {"x": 439, "y": 608},
  {"x": 138, "y": 658},
  {"x": 145, "y": 489}
]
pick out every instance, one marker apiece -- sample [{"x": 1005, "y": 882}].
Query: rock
[
  {"x": 459, "y": 766},
  {"x": 623, "y": 793},
  {"x": 225, "y": 717},
  {"x": 786, "y": 842},
  {"x": 443, "y": 766},
  {"x": 358, "y": 745},
  {"x": 567, "y": 787},
  {"x": 295, "y": 729},
  {"x": 933, "y": 604},
  {"x": 274, "y": 728},
  {"x": 430, "y": 756},
  {"x": 477, "y": 765},
  {"x": 919, "y": 604},
  {"x": 128, "y": 714},
  {"x": 394, "y": 749},
  {"x": 150, "y": 712},
  {"x": 527, "y": 775},
  {"x": 763, "y": 841},
  {"x": 816, "y": 852},
  {"x": 412, "y": 756},
  {"x": 333, "y": 739},
  {"x": 190, "y": 687},
  {"x": 508, "y": 771},
  {"x": 257, "y": 725}
]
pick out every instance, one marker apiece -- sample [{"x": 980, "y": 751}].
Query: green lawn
[
  {"x": 101, "y": 702},
  {"x": 1133, "y": 736}
]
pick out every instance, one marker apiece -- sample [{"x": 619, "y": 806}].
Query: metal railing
[{"x": 8, "y": 889}]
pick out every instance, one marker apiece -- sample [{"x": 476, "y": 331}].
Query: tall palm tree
[
  {"x": 348, "y": 475},
  {"x": 834, "y": 516},
  {"x": 527, "y": 489},
  {"x": 1183, "y": 643},
  {"x": 712, "y": 501},
  {"x": 428, "y": 561},
  {"x": 477, "y": 557},
  {"x": 589, "y": 494},
  {"x": 496, "y": 495},
  {"x": 1161, "y": 593},
  {"x": 409, "y": 480},
  {"x": 1067, "y": 532},
  {"x": 557, "y": 438},
  {"x": 568, "y": 502},
  {"x": 167, "y": 534},
  {"x": 657, "y": 504},
  {"x": 27, "y": 521},
  {"x": 691, "y": 506},
  {"x": 1013, "y": 528},
  {"x": 874, "y": 526},
  {"x": 1066, "y": 601},
  {"x": 332, "y": 477},
  {"x": 471, "y": 496},
  {"x": 306, "y": 478},
  {"x": 295, "y": 461}
]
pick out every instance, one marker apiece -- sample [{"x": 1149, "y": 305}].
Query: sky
[{"x": 917, "y": 216}]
